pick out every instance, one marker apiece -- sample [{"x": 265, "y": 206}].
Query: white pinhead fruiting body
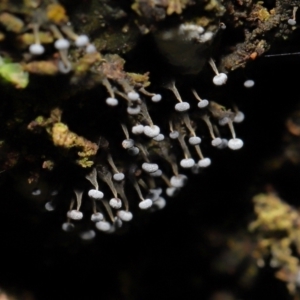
[
  {"x": 187, "y": 163},
  {"x": 174, "y": 134},
  {"x": 178, "y": 181},
  {"x": 95, "y": 194},
  {"x": 87, "y": 235},
  {"x": 128, "y": 143},
  {"x": 239, "y": 117},
  {"x": 103, "y": 226},
  {"x": 223, "y": 121},
  {"x": 118, "y": 176},
  {"x": 235, "y": 144},
  {"x": 81, "y": 40},
  {"x": 49, "y": 206},
  {"x": 159, "y": 137},
  {"x": 133, "y": 151},
  {"x": 220, "y": 79},
  {"x": 133, "y": 96},
  {"x": 172, "y": 191},
  {"x": 203, "y": 103},
  {"x": 194, "y": 140},
  {"x": 156, "y": 98},
  {"x": 137, "y": 129},
  {"x": 216, "y": 142},
  {"x": 292, "y": 22},
  {"x": 223, "y": 145},
  {"x": 115, "y": 203},
  {"x": 182, "y": 106},
  {"x": 36, "y": 49},
  {"x": 249, "y": 83},
  {"x": 62, "y": 44},
  {"x": 90, "y": 48},
  {"x": 96, "y": 217},
  {"x": 124, "y": 215},
  {"x": 74, "y": 214},
  {"x": 134, "y": 110},
  {"x": 151, "y": 131},
  {"x": 160, "y": 203},
  {"x": 155, "y": 193},
  {"x": 204, "y": 162},
  {"x": 145, "y": 204},
  {"x": 149, "y": 168},
  {"x": 67, "y": 227},
  {"x": 112, "y": 101},
  {"x": 157, "y": 173},
  {"x": 36, "y": 192}
]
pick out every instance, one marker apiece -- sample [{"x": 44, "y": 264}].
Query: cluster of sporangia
[
  {"x": 151, "y": 164},
  {"x": 150, "y": 157}
]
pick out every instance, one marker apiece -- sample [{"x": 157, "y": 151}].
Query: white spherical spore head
[
  {"x": 292, "y": 22},
  {"x": 87, "y": 235},
  {"x": 235, "y": 144},
  {"x": 157, "y": 173},
  {"x": 178, "y": 181},
  {"x": 133, "y": 151},
  {"x": 156, "y": 98},
  {"x": 137, "y": 129},
  {"x": 203, "y": 103},
  {"x": 145, "y": 204},
  {"x": 223, "y": 145},
  {"x": 128, "y": 143},
  {"x": 187, "y": 163},
  {"x": 239, "y": 117},
  {"x": 81, "y": 40},
  {"x": 49, "y": 206},
  {"x": 112, "y": 101},
  {"x": 97, "y": 217},
  {"x": 133, "y": 96},
  {"x": 103, "y": 226},
  {"x": 118, "y": 222},
  {"x": 216, "y": 142},
  {"x": 172, "y": 191},
  {"x": 204, "y": 162},
  {"x": 125, "y": 216},
  {"x": 159, "y": 137},
  {"x": 220, "y": 79},
  {"x": 115, "y": 203},
  {"x": 223, "y": 121},
  {"x": 74, "y": 214},
  {"x": 154, "y": 194},
  {"x": 160, "y": 203},
  {"x": 249, "y": 83},
  {"x": 149, "y": 168},
  {"x": 36, "y": 192},
  {"x": 62, "y": 44},
  {"x": 36, "y": 49},
  {"x": 67, "y": 226},
  {"x": 174, "y": 135},
  {"x": 194, "y": 140},
  {"x": 151, "y": 131},
  {"x": 182, "y": 106},
  {"x": 118, "y": 176},
  {"x": 95, "y": 194},
  {"x": 90, "y": 48},
  {"x": 133, "y": 110}
]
